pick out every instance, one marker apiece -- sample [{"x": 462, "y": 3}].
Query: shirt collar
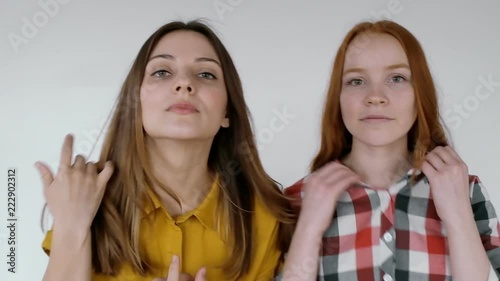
[
  {"x": 401, "y": 182},
  {"x": 206, "y": 212},
  {"x": 152, "y": 203}
]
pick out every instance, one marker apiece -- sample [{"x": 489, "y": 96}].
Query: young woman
[
  {"x": 387, "y": 197},
  {"x": 179, "y": 190}
]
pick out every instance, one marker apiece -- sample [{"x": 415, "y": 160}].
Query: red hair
[{"x": 425, "y": 134}]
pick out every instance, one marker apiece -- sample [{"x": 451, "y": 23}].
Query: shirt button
[
  {"x": 387, "y": 238},
  {"x": 387, "y": 277}
]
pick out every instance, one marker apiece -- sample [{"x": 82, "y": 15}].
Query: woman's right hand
[
  {"x": 75, "y": 193},
  {"x": 321, "y": 191}
]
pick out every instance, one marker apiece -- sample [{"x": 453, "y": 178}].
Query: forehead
[
  {"x": 184, "y": 43},
  {"x": 374, "y": 49}
]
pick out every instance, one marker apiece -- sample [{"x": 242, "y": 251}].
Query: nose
[
  {"x": 183, "y": 84},
  {"x": 179, "y": 88},
  {"x": 376, "y": 97}
]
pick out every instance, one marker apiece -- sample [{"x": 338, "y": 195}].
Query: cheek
[
  {"x": 145, "y": 101},
  {"x": 150, "y": 104},
  {"x": 153, "y": 94},
  {"x": 407, "y": 108},
  {"x": 150, "y": 85},
  {"x": 216, "y": 102},
  {"x": 348, "y": 107},
  {"x": 410, "y": 103}
]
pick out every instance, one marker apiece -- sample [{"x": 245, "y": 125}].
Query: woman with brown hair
[
  {"x": 179, "y": 190},
  {"x": 388, "y": 198}
]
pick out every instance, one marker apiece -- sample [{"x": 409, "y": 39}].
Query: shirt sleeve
[
  {"x": 267, "y": 254},
  {"x": 47, "y": 242},
  {"x": 270, "y": 262},
  {"x": 294, "y": 193},
  {"x": 487, "y": 224}
]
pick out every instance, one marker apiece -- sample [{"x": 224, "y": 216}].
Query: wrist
[
  {"x": 459, "y": 221},
  {"x": 75, "y": 232},
  {"x": 309, "y": 228}
]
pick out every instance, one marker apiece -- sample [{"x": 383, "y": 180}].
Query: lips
[
  {"x": 376, "y": 118},
  {"x": 182, "y": 108}
]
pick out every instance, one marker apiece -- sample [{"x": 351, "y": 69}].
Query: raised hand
[
  {"x": 321, "y": 192},
  {"x": 449, "y": 180},
  {"x": 75, "y": 193}
]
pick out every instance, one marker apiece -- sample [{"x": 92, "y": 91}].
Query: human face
[
  {"x": 183, "y": 95},
  {"x": 377, "y": 98}
]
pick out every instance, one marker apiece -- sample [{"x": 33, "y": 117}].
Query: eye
[
  {"x": 160, "y": 73},
  {"x": 355, "y": 82},
  {"x": 207, "y": 75},
  {"x": 397, "y": 79}
]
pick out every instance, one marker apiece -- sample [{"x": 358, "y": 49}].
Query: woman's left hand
[{"x": 449, "y": 180}]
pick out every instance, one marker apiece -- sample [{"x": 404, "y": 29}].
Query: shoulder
[
  {"x": 262, "y": 215},
  {"x": 478, "y": 192},
  {"x": 295, "y": 187},
  {"x": 479, "y": 195},
  {"x": 294, "y": 192},
  {"x": 474, "y": 180}
]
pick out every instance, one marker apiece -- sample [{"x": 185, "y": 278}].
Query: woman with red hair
[{"x": 388, "y": 198}]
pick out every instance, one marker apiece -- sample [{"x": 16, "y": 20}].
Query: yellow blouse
[{"x": 193, "y": 236}]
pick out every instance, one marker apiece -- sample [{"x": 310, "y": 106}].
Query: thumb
[
  {"x": 200, "y": 275},
  {"x": 105, "y": 174},
  {"x": 45, "y": 174}
]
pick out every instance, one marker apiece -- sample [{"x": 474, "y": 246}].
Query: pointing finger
[
  {"x": 200, "y": 275},
  {"x": 66, "y": 152},
  {"x": 173, "y": 271}
]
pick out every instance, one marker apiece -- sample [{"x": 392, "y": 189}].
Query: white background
[{"x": 65, "y": 73}]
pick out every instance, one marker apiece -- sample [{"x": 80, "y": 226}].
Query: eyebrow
[
  {"x": 393, "y": 66},
  {"x": 170, "y": 57}
]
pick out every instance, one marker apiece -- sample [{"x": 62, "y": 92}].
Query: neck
[
  {"x": 379, "y": 167},
  {"x": 182, "y": 166}
]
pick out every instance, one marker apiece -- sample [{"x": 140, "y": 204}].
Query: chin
[
  {"x": 173, "y": 133},
  {"x": 179, "y": 136},
  {"x": 171, "y": 137},
  {"x": 380, "y": 140}
]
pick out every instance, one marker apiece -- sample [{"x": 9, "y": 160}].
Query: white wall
[{"x": 66, "y": 73}]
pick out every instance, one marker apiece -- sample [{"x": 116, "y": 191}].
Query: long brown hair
[
  {"x": 115, "y": 229},
  {"x": 427, "y": 131}
]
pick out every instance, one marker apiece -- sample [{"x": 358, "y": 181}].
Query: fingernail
[{"x": 175, "y": 258}]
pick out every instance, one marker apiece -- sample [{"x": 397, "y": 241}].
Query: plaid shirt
[{"x": 396, "y": 234}]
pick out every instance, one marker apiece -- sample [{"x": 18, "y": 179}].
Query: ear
[{"x": 225, "y": 122}]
